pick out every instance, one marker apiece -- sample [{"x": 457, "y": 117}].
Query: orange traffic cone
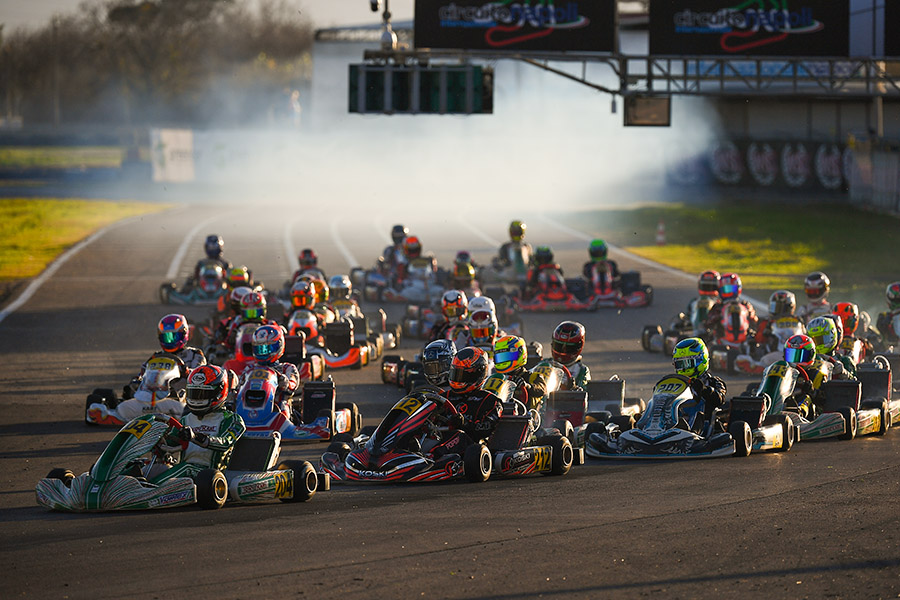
[{"x": 661, "y": 234}]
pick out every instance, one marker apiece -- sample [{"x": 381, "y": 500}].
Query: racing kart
[
  {"x": 514, "y": 271},
  {"x": 350, "y": 342},
  {"x": 205, "y": 290},
  {"x": 756, "y": 361},
  {"x": 606, "y": 291},
  {"x": 123, "y": 477},
  {"x": 154, "y": 395},
  {"x": 684, "y": 325},
  {"x": 662, "y": 432},
  {"x": 423, "y": 284},
  {"x": 313, "y": 418},
  {"x": 736, "y": 338},
  {"x": 401, "y": 447}
]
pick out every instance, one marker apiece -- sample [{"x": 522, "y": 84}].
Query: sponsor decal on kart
[
  {"x": 171, "y": 498},
  {"x": 409, "y": 405},
  {"x": 138, "y": 428}
]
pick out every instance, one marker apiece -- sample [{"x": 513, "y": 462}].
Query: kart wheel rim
[{"x": 220, "y": 489}]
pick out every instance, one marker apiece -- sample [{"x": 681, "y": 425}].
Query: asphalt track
[{"x": 818, "y": 521}]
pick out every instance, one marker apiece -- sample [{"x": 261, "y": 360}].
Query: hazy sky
[{"x": 323, "y": 13}]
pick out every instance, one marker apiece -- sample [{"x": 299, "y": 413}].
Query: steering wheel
[{"x": 173, "y": 423}]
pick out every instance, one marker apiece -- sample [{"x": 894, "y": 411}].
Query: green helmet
[
  {"x": 691, "y": 358},
  {"x": 598, "y": 250}
]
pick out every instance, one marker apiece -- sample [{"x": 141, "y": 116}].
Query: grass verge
[
  {"x": 770, "y": 245},
  {"x": 63, "y": 157},
  {"x": 34, "y": 231}
]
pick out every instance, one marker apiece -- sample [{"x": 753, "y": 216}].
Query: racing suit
[
  {"x": 814, "y": 308},
  {"x": 709, "y": 393},
  {"x": 510, "y": 249},
  {"x": 231, "y": 334},
  {"x": 288, "y": 380},
  {"x": 541, "y": 279},
  {"x": 191, "y": 357},
  {"x": 887, "y": 335},
  {"x": 580, "y": 373},
  {"x": 213, "y": 439},
  {"x": 714, "y": 325},
  {"x": 478, "y": 413},
  {"x": 193, "y": 279},
  {"x": 603, "y": 276},
  {"x": 530, "y": 388}
]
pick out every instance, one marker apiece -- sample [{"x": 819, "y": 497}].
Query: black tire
[
  {"x": 306, "y": 482},
  {"x": 164, "y": 290},
  {"x": 355, "y": 419},
  {"x": 648, "y": 332},
  {"x": 477, "y": 463},
  {"x": 743, "y": 437},
  {"x": 625, "y": 422},
  {"x": 563, "y": 456},
  {"x": 342, "y": 449},
  {"x": 595, "y": 427},
  {"x": 212, "y": 488},
  {"x": 787, "y": 432},
  {"x": 885, "y": 418},
  {"x": 64, "y": 475},
  {"x": 849, "y": 422},
  {"x": 368, "y": 430},
  {"x": 566, "y": 429}
]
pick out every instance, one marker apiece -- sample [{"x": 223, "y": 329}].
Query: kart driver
[
  {"x": 691, "y": 359},
  {"x": 513, "y": 247},
  {"x": 213, "y": 247},
  {"x": 253, "y": 310},
  {"x": 173, "y": 333},
  {"x": 730, "y": 289},
  {"x": 510, "y": 358},
  {"x": 268, "y": 346},
  {"x": 565, "y": 347},
  {"x": 816, "y": 286},
  {"x": 437, "y": 359},
  {"x": 545, "y": 275},
  {"x": 309, "y": 265},
  {"x": 601, "y": 273},
  {"x": 393, "y": 257},
  {"x": 454, "y": 310},
  {"x": 885, "y": 322},
  {"x": 210, "y": 430}
]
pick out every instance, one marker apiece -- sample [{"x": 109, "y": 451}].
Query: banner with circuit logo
[
  {"x": 750, "y": 27},
  {"x": 517, "y": 25}
]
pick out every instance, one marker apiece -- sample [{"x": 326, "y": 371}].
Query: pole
[{"x": 56, "y": 111}]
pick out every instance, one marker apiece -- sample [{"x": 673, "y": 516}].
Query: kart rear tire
[
  {"x": 787, "y": 432},
  {"x": 648, "y": 332},
  {"x": 306, "y": 482},
  {"x": 849, "y": 423},
  {"x": 64, "y": 475},
  {"x": 595, "y": 427},
  {"x": 885, "y": 411},
  {"x": 212, "y": 489},
  {"x": 355, "y": 418},
  {"x": 477, "y": 463},
  {"x": 563, "y": 456},
  {"x": 565, "y": 428},
  {"x": 743, "y": 437},
  {"x": 342, "y": 449}
]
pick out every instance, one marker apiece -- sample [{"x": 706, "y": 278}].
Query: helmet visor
[
  {"x": 201, "y": 394},
  {"x": 797, "y": 356},
  {"x": 728, "y": 290},
  {"x": 434, "y": 367},
  {"x": 170, "y": 337},
  {"x": 461, "y": 377},
  {"x": 253, "y": 313},
  {"x": 265, "y": 350},
  {"x": 481, "y": 333},
  {"x": 685, "y": 364},
  {"x": 506, "y": 357}
]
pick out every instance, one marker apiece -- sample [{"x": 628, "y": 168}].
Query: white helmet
[{"x": 481, "y": 303}]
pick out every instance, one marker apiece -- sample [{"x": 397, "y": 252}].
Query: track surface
[{"x": 818, "y": 521}]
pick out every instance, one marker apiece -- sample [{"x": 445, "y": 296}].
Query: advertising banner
[
  {"x": 516, "y": 25},
  {"x": 172, "y": 155},
  {"x": 750, "y": 27}
]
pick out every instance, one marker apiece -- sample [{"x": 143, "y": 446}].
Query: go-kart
[
  {"x": 401, "y": 448},
  {"x": 205, "y": 290},
  {"x": 604, "y": 291},
  {"x": 662, "y": 432},
  {"x": 422, "y": 283},
  {"x": 601, "y": 401},
  {"x": 736, "y": 338},
  {"x": 154, "y": 395},
  {"x": 314, "y": 418},
  {"x": 780, "y": 330},
  {"x": 514, "y": 271},
  {"x": 684, "y": 325},
  {"x": 123, "y": 477}
]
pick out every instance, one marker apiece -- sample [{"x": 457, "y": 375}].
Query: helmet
[
  {"x": 340, "y": 287},
  {"x": 436, "y": 360},
  {"x": 824, "y": 333},
  {"x": 892, "y": 293},
  {"x": 214, "y": 245},
  {"x": 307, "y": 258},
  {"x": 268, "y": 343},
  {"x": 321, "y": 289},
  {"x": 253, "y": 305},
  {"x": 838, "y": 327},
  {"x": 481, "y": 303},
  {"x": 782, "y": 303},
  {"x": 412, "y": 247},
  {"x": 691, "y": 358},
  {"x": 399, "y": 233},
  {"x": 517, "y": 231},
  {"x": 482, "y": 327},
  {"x": 207, "y": 388},
  {"x": 173, "y": 332},
  {"x": 463, "y": 256},
  {"x": 800, "y": 350},
  {"x": 463, "y": 274},
  {"x": 468, "y": 370},
  {"x": 849, "y": 314},
  {"x": 243, "y": 344},
  {"x": 454, "y": 305},
  {"x": 729, "y": 287},
  {"x": 238, "y": 276},
  {"x": 543, "y": 255},
  {"x": 817, "y": 285},
  {"x": 598, "y": 250},
  {"x": 708, "y": 283},
  {"x": 236, "y": 295},
  {"x": 303, "y": 295},
  {"x": 567, "y": 342},
  {"x": 510, "y": 353}
]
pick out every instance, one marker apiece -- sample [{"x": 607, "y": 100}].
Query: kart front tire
[
  {"x": 849, "y": 423},
  {"x": 212, "y": 488},
  {"x": 563, "y": 455},
  {"x": 342, "y": 449},
  {"x": 64, "y": 475},
  {"x": 787, "y": 432},
  {"x": 477, "y": 463},
  {"x": 565, "y": 428},
  {"x": 743, "y": 437},
  {"x": 306, "y": 482}
]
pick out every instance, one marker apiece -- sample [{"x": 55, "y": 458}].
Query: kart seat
[
  {"x": 254, "y": 454},
  {"x": 608, "y": 395},
  {"x": 838, "y": 394}
]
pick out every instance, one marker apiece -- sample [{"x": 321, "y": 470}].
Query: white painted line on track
[
  {"x": 182, "y": 250},
  {"x": 348, "y": 256},
  {"x": 640, "y": 259},
  {"x": 36, "y": 283},
  {"x": 485, "y": 237}
]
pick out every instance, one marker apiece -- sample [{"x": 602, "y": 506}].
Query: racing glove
[
  {"x": 456, "y": 421},
  {"x": 187, "y": 434}
]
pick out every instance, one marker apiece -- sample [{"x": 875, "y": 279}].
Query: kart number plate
[
  {"x": 779, "y": 370},
  {"x": 161, "y": 364},
  {"x": 138, "y": 428},
  {"x": 542, "y": 458},
  {"x": 670, "y": 385},
  {"x": 284, "y": 485},
  {"x": 494, "y": 384},
  {"x": 409, "y": 405}
]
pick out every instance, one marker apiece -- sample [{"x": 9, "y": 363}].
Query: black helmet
[
  {"x": 399, "y": 233},
  {"x": 214, "y": 245},
  {"x": 543, "y": 255},
  {"x": 436, "y": 361}
]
